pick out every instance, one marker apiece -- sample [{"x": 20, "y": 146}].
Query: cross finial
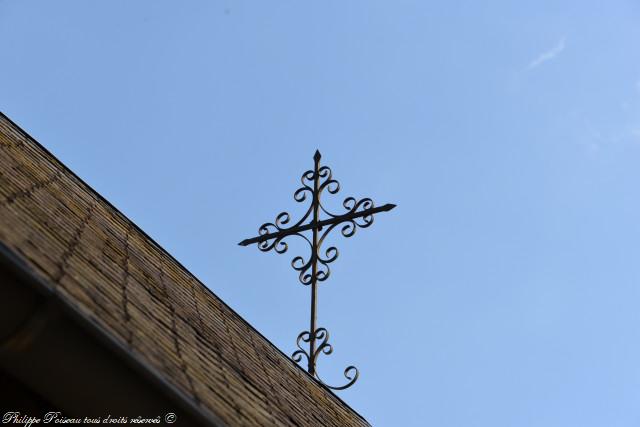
[{"x": 316, "y": 269}]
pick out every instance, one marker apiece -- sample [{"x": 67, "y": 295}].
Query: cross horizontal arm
[{"x": 309, "y": 226}]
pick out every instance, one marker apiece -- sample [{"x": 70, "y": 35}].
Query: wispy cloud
[{"x": 548, "y": 55}]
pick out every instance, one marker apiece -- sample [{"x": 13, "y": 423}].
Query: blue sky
[{"x": 504, "y": 288}]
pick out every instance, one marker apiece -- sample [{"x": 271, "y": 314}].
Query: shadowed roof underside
[{"x": 106, "y": 268}]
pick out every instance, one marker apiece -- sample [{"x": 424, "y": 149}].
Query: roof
[{"x": 108, "y": 270}]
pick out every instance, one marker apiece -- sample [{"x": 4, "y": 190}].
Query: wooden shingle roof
[{"x": 106, "y": 268}]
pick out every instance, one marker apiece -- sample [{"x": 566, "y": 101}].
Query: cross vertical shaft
[{"x": 314, "y": 263}]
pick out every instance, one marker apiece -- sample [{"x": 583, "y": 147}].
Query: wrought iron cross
[{"x": 316, "y": 269}]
